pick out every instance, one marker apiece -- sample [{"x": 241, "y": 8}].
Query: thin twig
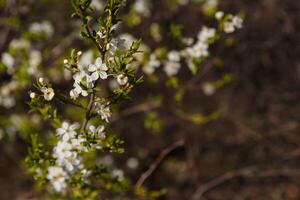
[
  {"x": 143, "y": 107},
  {"x": 88, "y": 113},
  {"x": 220, "y": 180},
  {"x": 165, "y": 152}
]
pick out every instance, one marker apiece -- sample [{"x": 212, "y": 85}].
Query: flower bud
[
  {"x": 42, "y": 81},
  {"x": 219, "y": 15},
  {"x": 32, "y": 95},
  {"x": 122, "y": 79},
  {"x": 66, "y": 61},
  {"x": 79, "y": 53}
]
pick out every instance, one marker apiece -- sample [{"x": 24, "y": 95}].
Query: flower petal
[
  {"x": 84, "y": 93},
  {"x": 65, "y": 125},
  {"x": 60, "y": 131},
  {"x": 103, "y": 67},
  {"x": 103, "y": 75},
  {"x": 95, "y": 76},
  {"x": 98, "y": 61},
  {"x": 92, "y": 68},
  {"x": 74, "y": 126}
]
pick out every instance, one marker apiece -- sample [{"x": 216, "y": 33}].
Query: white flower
[
  {"x": 132, "y": 163},
  {"x": 98, "y": 70},
  {"x": 118, "y": 174},
  {"x": 67, "y": 130},
  {"x": 8, "y": 101},
  {"x": 153, "y": 63},
  {"x": 83, "y": 78},
  {"x": 74, "y": 93},
  {"x": 188, "y": 40},
  {"x": 174, "y": 56},
  {"x": 8, "y": 61},
  {"x": 19, "y": 44},
  {"x": 43, "y": 27},
  {"x": 219, "y": 15},
  {"x": 32, "y": 95},
  {"x": 237, "y": 21},
  {"x": 78, "y": 144},
  {"x": 127, "y": 38},
  {"x": 85, "y": 175},
  {"x": 229, "y": 27},
  {"x": 206, "y": 34},
  {"x": 199, "y": 50},
  {"x": 141, "y": 7},
  {"x": 85, "y": 59},
  {"x": 79, "y": 76},
  {"x": 97, "y": 5},
  {"x": 208, "y": 89},
  {"x": 48, "y": 93},
  {"x": 62, "y": 150},
  {"x": 103, "y": 110},
  {"x": 122, "y": 79},
  {"x": 66, "y": 155},
  {"x": 6, "y": 97},
  {"x": 172, "y": 65},
  {"x": 70, "y": 163},
  {"x": 232, "y": 24},
  {"x": 57, "y": 176},
  {"x": 116, "y": 44},
  {"x": 98, "y": 132},
  {"x": 171, "y": 68},
  {"x": 35, "y": 58}
]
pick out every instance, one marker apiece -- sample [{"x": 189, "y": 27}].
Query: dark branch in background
[
  {"x": 252, "y": 171},
  {"x": 143, "y": 107},
  {"x": 164, "y": 153}
]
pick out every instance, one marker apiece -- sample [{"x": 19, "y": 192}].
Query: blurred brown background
[{"x": 251, "y": 152}]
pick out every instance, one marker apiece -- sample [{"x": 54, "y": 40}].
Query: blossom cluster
[
  {"x": 21, "y": 61},
  {"x": 87, "y": 75},
  {"x": 44, "y": 27},
  {"x": 67, "y": 154},
  {"x": 7, "y": 99},
  {"x": 116, "y": 61},
  {"x": 195, "y": 51},
  {"x": 229, "y": 22}
]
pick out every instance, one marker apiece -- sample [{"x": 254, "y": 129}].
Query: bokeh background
[{"x": 249, "y": 146}]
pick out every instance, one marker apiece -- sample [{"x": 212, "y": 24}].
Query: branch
[
  {"x": 143, "y": 107},
  {"x": 88, "y": 113},
  {"x": 164, "y": 153},
  {"x": 251, "y": 171}
]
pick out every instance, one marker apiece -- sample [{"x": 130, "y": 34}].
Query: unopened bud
[
  {"x": 32, "y": 95},
  {"x": 219, "y": 15},
  {"x": 79, "y": 53},
  {"x": 122, "y": 79},
  {"x": 42, "y": 81}
]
